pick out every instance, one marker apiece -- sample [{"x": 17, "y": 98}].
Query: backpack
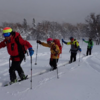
[
  {"x": 22, "y": 50},
  {"x": 57, "y": 42}
]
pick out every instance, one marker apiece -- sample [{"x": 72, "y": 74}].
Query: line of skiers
[{"x": 17, "y": 47}]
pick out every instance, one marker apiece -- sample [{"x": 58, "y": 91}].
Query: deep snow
[{"x": 77, "y": 81}]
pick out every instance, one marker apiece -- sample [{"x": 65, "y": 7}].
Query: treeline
[{"x": 45, "y": 29}]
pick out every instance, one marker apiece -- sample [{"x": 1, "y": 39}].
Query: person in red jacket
[{"x": 13, "y": 41}]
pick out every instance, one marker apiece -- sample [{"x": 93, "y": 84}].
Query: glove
[
  {"x": 83, "y": 39},
  {"x": 64, "y": 41},
  {"x": 38, "y": 41},
  {"x": 31, "y": 51},
  {"x": 56, "y": 53},
  {"x": 91, "y": 47},
  {"x": 80, "y": 49}
]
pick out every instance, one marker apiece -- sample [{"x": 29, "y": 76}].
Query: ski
[
  {"x": 47, "y": 70},
  {"x": 84, "y": 55},
  {"x": 26, "y": 77}
]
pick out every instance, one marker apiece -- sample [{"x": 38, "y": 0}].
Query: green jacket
[{"x": 90, "y": 43}]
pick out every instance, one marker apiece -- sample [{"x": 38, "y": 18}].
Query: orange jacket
[{"x": 55, "y": 51}]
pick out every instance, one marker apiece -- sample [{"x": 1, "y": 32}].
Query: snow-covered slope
[{"x": 77, "y": 81}]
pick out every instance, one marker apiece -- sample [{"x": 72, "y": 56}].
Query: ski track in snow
[
  {"x": 35, "y": 74},
  {"x": 23, "y": 92},
  {"x": 53, "y": 75},
  {"x": 95, "y": 59},
  {"x": 45, "y": 80},
  {"x": 5, "y": 63},
  {"x": 50, "y": 76},
  {"x": 5, "y": 72}
]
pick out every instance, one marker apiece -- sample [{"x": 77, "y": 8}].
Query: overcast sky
[{"x": 71, "y": 11}]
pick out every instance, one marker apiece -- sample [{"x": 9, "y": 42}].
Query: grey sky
[{"x": 72, "y": 11}]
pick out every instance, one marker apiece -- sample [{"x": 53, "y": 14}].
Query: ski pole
[
  {"x": 57, "y": 69},
  {"x": 31, "y": 75},
  {"x": 62, "y": 44},
  {"x": 82, "y": 45},
  {"x": 9, "y": 62},
  {"x": 57, "y": 73},
  {"x": 79, "y": 59},
  {"x": 36, "y": 55},
  {"x": 62, "y": 47}
]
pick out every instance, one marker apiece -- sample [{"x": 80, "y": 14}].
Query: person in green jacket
[{"x": 89, "y": 47}]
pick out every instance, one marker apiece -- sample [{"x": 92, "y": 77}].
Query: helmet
[
  {"x": 49, "y": 40},
  {"x": 7, "y": 30},
  {"x": 71, "y": 38}
]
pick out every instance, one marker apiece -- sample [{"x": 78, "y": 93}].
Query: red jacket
[{"x": 9, "y": 44}]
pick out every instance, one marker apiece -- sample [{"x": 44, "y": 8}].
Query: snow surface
[{"x": 77, "y": 81}]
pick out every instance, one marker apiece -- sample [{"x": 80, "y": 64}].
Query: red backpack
[{"x": 57, "y": 42}]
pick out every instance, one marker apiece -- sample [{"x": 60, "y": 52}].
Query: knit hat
[
  {"x": 7, "y": 30},
  {"x": 71, "y": 38},
  {"x": 49, "y": 40}
]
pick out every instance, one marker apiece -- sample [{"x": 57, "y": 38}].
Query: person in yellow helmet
[{"x": 16, "y": 49}]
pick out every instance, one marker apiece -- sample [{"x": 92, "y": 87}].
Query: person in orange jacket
[
  {"x": 14, "y": 43},
  {"x": 55, "y": 51}
]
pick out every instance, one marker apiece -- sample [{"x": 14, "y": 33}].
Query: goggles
[
  {"x": 6, "y": 34},
  {"x": 49, "y": 42},
  {"x": 72, "y": 39}
]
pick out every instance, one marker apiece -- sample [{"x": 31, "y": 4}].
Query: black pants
[
  {"x": 72, "y": 57},
  {"x": 88, "y": 51},
  {"x": 53, "y": 63},
  {"x": 16, "y": 66}
]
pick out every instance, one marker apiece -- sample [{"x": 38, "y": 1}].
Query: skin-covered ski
[{"x": 26, "y": 77}]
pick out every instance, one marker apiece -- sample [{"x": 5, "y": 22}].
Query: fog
[{"x": 71, "y": 11}]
